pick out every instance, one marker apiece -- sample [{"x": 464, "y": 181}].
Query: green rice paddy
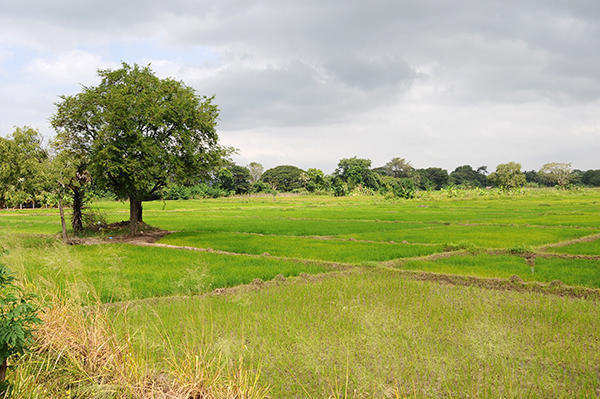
[{"x": 340, "y": 321}]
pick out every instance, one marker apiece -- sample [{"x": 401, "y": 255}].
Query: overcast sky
[{"x": 440, "y": 83}]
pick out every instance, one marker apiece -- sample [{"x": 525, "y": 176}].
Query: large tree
[
  {"x": 508, "y": 176},
  {"x": 256, "y": 171},
  {"x": 398, "y": 167},
  {"x": 22, "y": 172},
  {"x": 140, "y": 132},
  {"x": 283, "y": 177},
  {"x": 466, "y": 176},
  {"x": 556, "y": 173},
  {"x": 357, "y": 171}
]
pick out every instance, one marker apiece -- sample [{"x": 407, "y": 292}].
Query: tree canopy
[
  {"x": 284, "y": 177},
  {"x": 556, "y": 173},
  {"x": 508, "y": 176},
  {"x": 357, "y": 171},
  {"x": 466, "y": 176},
  {"x": 140, "y": 132}
]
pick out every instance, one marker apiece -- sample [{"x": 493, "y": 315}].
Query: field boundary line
[
  {"x": 514, "y": 283},
  {"x": 335, "y": 265},
  {"x": 437, "y": 222},
  {"x": 435, "y": 256},
  {"x": 256, "y": 285},
  {"x": 588, "y": 238},
  {"x": 314, "y": 237}
]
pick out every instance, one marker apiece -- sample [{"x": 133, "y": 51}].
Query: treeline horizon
[{"x": 25, "y": 179}]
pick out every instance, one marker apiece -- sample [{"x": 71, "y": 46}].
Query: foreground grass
[{"x": 374, "y": 335}]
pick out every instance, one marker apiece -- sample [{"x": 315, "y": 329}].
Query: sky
[{"x": 439, "y": 83}]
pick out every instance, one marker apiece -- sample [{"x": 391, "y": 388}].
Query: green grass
[
  {"x": 373, "y": 335},
  {"x": 367, "y": 333},
  {"x": 570, "y": 271},
  {"x": 117, "y": 272},
  {"x": 295, "y": 247},
  {"x": 581, "y": 248},
  {"x": 484, "y": 236}
]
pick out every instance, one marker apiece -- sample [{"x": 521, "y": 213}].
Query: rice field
[{"x": 314, "y": 297}]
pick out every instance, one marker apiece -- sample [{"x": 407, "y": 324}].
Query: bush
[{"x": 18, "y": 316}]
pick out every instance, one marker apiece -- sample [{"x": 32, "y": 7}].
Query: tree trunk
[
  {"x": 135, "y": 213},
  {"x": 140, "y": 209},
  {"x": 77, "y": 221},
  {"x": 3, "y": 368},
  {"x": 62, "y": 220}
]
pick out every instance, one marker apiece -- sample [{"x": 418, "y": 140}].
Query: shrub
[{"x": 18, "y": 316}]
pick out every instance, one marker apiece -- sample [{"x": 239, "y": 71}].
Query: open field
[{"x": 342, "y": 316}]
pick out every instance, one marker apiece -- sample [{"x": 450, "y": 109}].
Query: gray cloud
[{"x": 284, "y": 66}]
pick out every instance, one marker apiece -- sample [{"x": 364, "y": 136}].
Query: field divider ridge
[
  {"x": 588, "y": 238},
  {"x": 334, "y": 265},
  {"x": 256, "y": 285},
  {"x": 513, "y": 283}
]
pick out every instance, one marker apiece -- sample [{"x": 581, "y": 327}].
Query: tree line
[{"x": 137, "y": 137}]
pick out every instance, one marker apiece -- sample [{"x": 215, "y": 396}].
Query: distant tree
[
  {"x": 22, "y": 172},
  {"x": 314, "y": 179},
  {"x": 531, "y": 176},
  {"x": 508, "y": 176},
  {"x": 577, "y": 177},
  {"x": 241, "y": 179},
  {"x": 256, "y": 171},
  {"x": 466, "y": 176},
  {"x": 284, "y": 177},
  {"x": 140, "y": 132},
  {"x": 398, "y": 167},
  {"x": 431, "y": 178},
  {"x": 557, "y": 173},
  {"x": 356, "y": 171},
  {"x": 591, "y": 178}
]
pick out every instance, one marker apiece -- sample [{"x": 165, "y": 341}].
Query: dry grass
[{"x": 78, "y": 355}]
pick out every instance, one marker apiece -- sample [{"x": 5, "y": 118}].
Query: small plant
[{"x": 18, "y": 316}]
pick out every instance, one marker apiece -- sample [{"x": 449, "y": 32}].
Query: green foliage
[
  {"x": 256, "y": 170},
  {"x": 202, "y": 190},
  {"x": 140, "y": 132},
  {"x": 431, "y": 178},
  {"x": 399, "y": 187},
  {"x": 240, "y": 179},
  {"x": 466, "y": 176},
  {"x": 556, "y": 173},
  {"x": 356, "y": 171},
  {"x": 284, "y": 178},
  {"x": 261, "y": 187},
  {"x": 18, "y": 316},
  {"x": 397, "y": 167},
  {"x": 24, "y": 179},
  {"x": 508, "y": 176},
  {"x": 591, "y": 178},
  {"x": 314, "y": 180}
]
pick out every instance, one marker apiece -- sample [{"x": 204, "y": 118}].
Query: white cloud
[{"x": 76, "y": 66}]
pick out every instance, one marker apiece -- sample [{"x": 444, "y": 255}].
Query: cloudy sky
[{"x": 440, "y": 83}]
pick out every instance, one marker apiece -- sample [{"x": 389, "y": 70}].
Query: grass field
[{"x": 339, "y": 319}]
